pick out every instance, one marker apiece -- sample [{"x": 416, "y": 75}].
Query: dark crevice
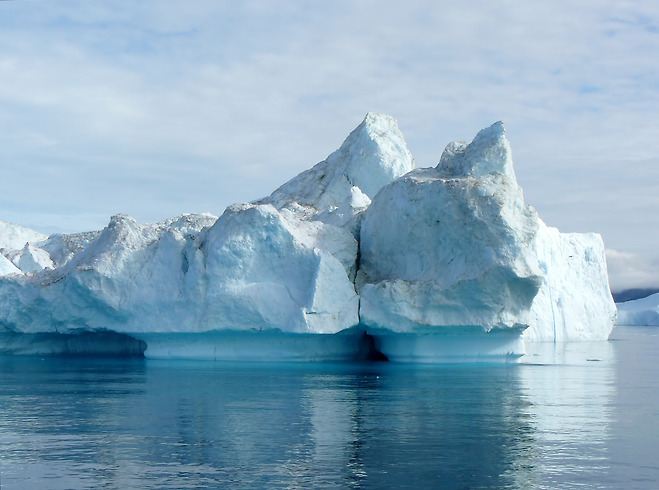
[{"x": 368, "y": 350}]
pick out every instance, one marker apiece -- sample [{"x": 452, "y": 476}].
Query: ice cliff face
[
  {"x": 456, "y": 245},
  {"x": 451, "y": 245},
  {"x": 429, "y": 258},
  {"x": 574, "y": 301}
]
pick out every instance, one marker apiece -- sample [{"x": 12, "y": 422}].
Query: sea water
[{"x": 581, "y": 415}]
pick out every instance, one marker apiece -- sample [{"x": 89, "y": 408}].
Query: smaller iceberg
[{"x": 641, "y": 312}]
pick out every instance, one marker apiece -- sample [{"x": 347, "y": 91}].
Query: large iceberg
[{"x": 361, "y": 256}]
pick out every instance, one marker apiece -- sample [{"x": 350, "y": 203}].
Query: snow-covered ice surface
[
  {"x": 361, "y": 256},
  {"x": 14, "y": 237},
  {"x": 8, "y": 267},
  {"x": 18, "y": 252},
  {"x": 643, "y": 311}
]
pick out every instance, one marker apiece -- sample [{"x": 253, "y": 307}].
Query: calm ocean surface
[{"x": 580, "y": 416}]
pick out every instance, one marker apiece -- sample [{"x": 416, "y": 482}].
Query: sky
[{"x": 156, "y": 108}]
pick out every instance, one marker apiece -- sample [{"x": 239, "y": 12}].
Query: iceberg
[
  {"x": 639, "y": 312},
  {"x": 360, "y": 257}
]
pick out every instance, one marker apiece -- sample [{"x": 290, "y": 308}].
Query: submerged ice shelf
[
  {"x": 361, "y": 256},
  {"x": 447, "y": 345}
]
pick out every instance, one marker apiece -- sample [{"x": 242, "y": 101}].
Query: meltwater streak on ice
[
  {"x": 450, "y": 257},
  {"x": 576, "y": 416}
]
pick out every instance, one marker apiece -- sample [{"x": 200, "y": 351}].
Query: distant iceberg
[
  {"x": 642, "y": 312},
  {"x": 359, "y": 257}
]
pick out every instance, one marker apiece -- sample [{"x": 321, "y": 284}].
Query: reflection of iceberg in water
[
  {"x": 636, "y": 431},
  {"x": 540, "y": 424},
  {"x": 373, "y": 425},
  {"x": 383, "y": 427},
  {"x": 328, "y": 452},
  {"x": 570, "y": 388},
  {"x": 334, "y": 416}
]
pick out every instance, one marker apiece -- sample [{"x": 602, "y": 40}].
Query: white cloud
[{"x": 627, "y": 270}]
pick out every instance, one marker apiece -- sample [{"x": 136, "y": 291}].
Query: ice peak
[
  {"x": 372, "y": 156},
  {"x": 122, "y": 229},
  {"x": 121, "y": 220},
  {"x": 488, "y": 153},
  {"x": 122, "y": 236},
  {"x": 376, "y": 125}
]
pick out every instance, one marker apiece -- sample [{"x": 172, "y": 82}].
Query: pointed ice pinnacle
[
  {"x": 372, "y": 156},
  {"x": 488, "y": 153}
]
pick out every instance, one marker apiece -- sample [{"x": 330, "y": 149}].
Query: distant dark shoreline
[{"x": 635, "y": 293}]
